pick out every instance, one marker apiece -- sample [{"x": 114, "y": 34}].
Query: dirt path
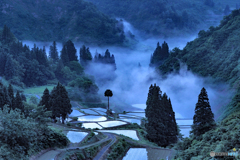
[{"x": 104, "y": 150}]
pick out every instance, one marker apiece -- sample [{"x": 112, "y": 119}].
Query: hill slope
[
  {"x": 164, "y": 18},
  {"x": 215, "y": 53},
  {"x": 48, "y": 20}
]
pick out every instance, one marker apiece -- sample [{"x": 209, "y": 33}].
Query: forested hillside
[
  {"x": 214, "y": 53},
  {"x": 49, "y": 20},
  {"x": 165, "y": 18}
]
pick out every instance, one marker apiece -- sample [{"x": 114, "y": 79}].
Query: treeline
[{"x": 29, "y": 67}]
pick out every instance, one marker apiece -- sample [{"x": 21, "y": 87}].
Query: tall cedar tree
[
  {"x": 161, "y": 125},
  {"x": 203, "y": 120},
  {"x": 1, "y": 98},
  {"x": 18, "y": 102},
  {"x": 85, "y": 56},
  {"x": 9, "y": 70},
  {"x": 71, "y": 51},
  {"x": 45, "y": 100},
  {"x": 60, "y": 102},
  {"x": 159, "y": 55},
  {"x": 11, "y": 96},
  {"x": 53, "y": 53},
  {"x": 64, "y": 56},
  {"x": 7, "y": 100}
]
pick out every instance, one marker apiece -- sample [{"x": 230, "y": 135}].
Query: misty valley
[{"x": 119, "y": 80}]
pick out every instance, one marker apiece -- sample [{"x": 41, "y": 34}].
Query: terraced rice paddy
[
  {"x": 138, "y": 121},
  {"x": 111, "y": 123},
  {"x": 91, "y": 125},
  {"x": 92, "y": 118},
  {"x": 89, "y": 111},
  {"x": 130, "y": 133},
  {"x": 147, "y": 154},
  {"x": 76, "y": 137},
  {"x": 75, "y": 113}
]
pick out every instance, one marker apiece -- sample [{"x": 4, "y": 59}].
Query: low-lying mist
[{"x": 131, "y": 83}]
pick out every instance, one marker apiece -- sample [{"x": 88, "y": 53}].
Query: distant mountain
[
  {"x": 166, "y": 18},
  {"x": 215, "y": 53},
  {"x": 48, "y": 20}
]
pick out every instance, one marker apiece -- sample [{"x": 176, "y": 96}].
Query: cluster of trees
[
  {"x": 159, "y": 55},
  {"x": 105, "y": 59},
  {"x": 7, "y": 98},
  {"x": 22, "y": 66},
  {"x": 57, "y": 102},
  {"x": 86, "y": 57},
  {"x": 161, "y": 123},
  {"x": 23, "y": 126}
]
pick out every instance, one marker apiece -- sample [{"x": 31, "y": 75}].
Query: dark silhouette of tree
[
  {"x": 161, "y": 124},
  {"x": 11, "y": 96},
  {"x": 106, "y": 59},
  {"x": 23, "y": 97},
  {"x": 64, "y": 56},
  {"x": 60, "y": 102},
  {"x": 227, "y": 10},
  {"x": 71, "y": 51},
  {"x": 85, "y": 56},
  {"x": 9, "y": 70},
  {"x": 159, "y": 55},
  {"x": 45, "y": 100},
  {"x": 108, "y": 93},
  {"x": 53, "y": 53},
  {"x": 203, "y": 120},
  {"x": 18, "y": 102}
]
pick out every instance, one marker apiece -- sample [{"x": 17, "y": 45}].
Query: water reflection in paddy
[
  {"x": 76, "y": 137},
  {"x": 138, "y": 121},
  {"x": 92, "y": 118},
  {"x": 130, "y": 133},
  {"x": 91, "y": 125},
  {"x": 147, "y": 154},
  {"x": 75, "y": 113},
  {"x": 111, "y": 123},
  {"x": 89, "y": 111}
]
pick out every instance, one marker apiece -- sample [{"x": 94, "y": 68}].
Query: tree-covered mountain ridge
[
  {"x": 56, "y": 20},
  {"x": 214, "y": 53},
  {"x": 165, "y": 18}
]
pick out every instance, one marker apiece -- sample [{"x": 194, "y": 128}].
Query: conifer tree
[
  {"x": 23, "y": 97},
  {"x": 64, "y": 56},
  {"x": 203, "y": 120},
  {"x": 7, "y": 100},
  {"x": 18, "y": 102},
  {"x": 11, "y": 96},
  {"x": 60, "y": 103},
  {"x": 65, "y": 107},
  {"x": 71, "y": 51},
  {"x": 45, "y": 100},
  {"x": 9, "y": 70},
  {"x": 53, "y": 53},
  {"x": 1, "y": 98},
  {"x": 85, "y": 55},
  {"x": 159, "y": 55},
  {"x": 161, "y": 124}
]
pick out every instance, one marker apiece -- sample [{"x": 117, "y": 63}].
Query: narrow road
[
  {"x": 109, "y": 136},
  {"x": 104, "y": 150}
]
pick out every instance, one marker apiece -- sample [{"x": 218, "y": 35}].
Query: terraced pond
[{"x": 130, "y": 133}]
